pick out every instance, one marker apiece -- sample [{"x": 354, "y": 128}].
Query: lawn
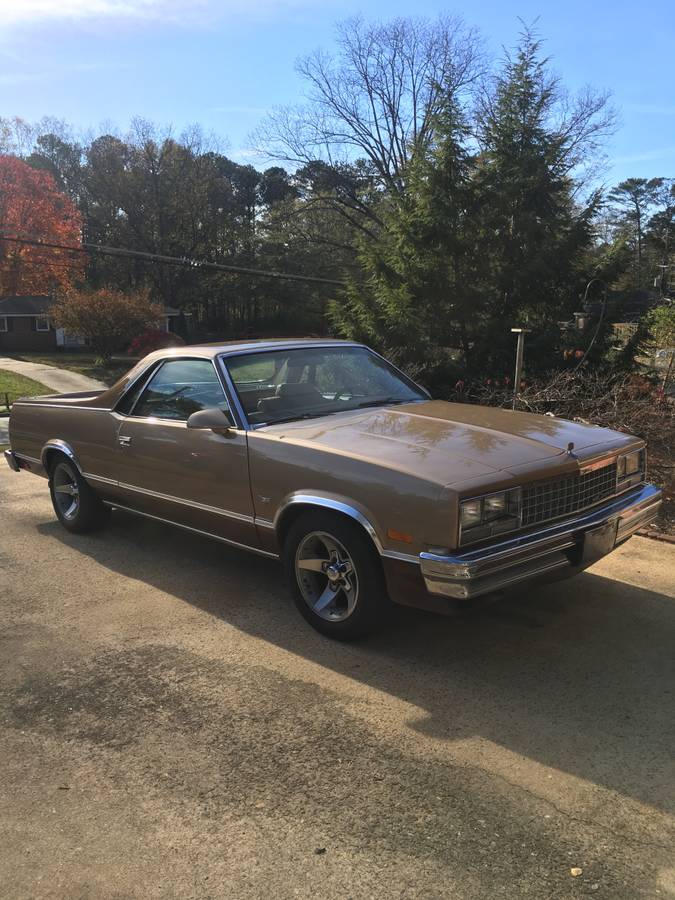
[
  {"x": 13, "y": 386},
  {"x": 84, "y": 363}
]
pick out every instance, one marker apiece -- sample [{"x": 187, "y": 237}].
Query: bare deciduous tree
[{"x": 376, "y": 99}]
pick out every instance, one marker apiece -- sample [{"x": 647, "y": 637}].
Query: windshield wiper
[
  {"x": 297, "y": 418},
  {"x": 380, "y": 401},
  {"x": 383, "y": 401}
]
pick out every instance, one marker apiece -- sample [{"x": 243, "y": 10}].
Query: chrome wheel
[
  {"x": 66, "y": 491},
  {"x": 326, "y": 576}
]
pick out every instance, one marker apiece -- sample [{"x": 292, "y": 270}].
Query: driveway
[
  {"x": 171, "y": 728},
  {"x": 60, "y": 381}
]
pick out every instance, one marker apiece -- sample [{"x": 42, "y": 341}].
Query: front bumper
[{"x": 572, "y": 545}]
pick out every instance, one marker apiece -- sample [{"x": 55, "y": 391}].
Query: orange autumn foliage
[
  {"x": 32, "y": 206},
  {"x": 109, "y": 319}
]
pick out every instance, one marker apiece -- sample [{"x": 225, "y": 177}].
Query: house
[{"x": 25, "y": 325}]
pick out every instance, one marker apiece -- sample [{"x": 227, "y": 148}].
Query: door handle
[{"x": 123, "y": 440}]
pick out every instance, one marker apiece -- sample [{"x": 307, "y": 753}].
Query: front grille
[{"x": 569, "y": 494}]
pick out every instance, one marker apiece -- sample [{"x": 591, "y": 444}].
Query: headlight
[
  {"x": 472, "y": 513},
  {"x": 482, "y": 517},
  {"x": 494, "y": 506},
  {"x": 629, "y": 465}
]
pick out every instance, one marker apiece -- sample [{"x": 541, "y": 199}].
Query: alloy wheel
[
  {"x": 326, "y": 576},
  {"x": 66, "y": 491}
]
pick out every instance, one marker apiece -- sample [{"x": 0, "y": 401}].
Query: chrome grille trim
[{"x": 569, "y": 494}]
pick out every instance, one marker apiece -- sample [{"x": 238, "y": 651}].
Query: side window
[
  {"x": 179, "y": 388},
  {"x": 126, "y": 404}
]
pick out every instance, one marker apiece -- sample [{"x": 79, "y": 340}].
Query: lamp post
[{"x": 520, "y": 348}]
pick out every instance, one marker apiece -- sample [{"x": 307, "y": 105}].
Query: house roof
[
  {"x": 25, "y": 306},
  {"x": 38, "y": 305}
]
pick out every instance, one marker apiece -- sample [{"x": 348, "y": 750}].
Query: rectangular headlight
[
  {"x": 629, "y": 464},
  {"x": 495, "y": 506},
  {"x": 471, "y": 513},
  {"x": 493, "y": 514}
]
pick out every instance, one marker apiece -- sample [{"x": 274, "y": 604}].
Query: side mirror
[{"x": 218, "y": 420}]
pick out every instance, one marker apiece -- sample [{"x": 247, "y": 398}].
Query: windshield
[{"x": 284, "y": 385}]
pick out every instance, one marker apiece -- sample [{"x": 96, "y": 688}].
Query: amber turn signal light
[{"x": 399, "y": 536}]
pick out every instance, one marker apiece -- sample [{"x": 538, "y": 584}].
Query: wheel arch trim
[
  {"x": 60, "y": 447},
  {"x": 333, "y": 504}
]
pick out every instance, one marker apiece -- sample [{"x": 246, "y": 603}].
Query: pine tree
[
  {"x": 488, "y": 234},
  {"x": 415, "y": 296},
  {"x": 533, "y": 231}
]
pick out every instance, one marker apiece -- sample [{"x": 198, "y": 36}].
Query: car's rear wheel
[
  {"x": 76, "y": 505},
  {"x": 335, "y": 576}
]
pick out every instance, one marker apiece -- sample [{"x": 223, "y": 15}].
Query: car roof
[{"x": 232, "y": 347}]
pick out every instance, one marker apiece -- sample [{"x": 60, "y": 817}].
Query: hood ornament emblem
[{"x": 570, "y": 450}]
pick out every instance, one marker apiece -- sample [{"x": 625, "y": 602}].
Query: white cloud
[{"x": 32, "y": 12}]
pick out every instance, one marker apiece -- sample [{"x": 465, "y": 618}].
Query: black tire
[
  {"x": 368, "y": 593},
  {"x": 79, "y": 510}
]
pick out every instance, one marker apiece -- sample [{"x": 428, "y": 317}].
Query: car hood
[{"x": 449, "y": 442}]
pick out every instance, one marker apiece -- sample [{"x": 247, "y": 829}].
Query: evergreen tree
[
  {"x": 483, "y": 241},
  {"x": 415, "y": 293},
  {"x": 533, "y": 231}
]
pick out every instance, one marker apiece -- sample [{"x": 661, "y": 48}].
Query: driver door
[{"x": 193, "y": 477}]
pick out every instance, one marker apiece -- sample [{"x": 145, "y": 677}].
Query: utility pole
[{"x": 521, "y": 332}]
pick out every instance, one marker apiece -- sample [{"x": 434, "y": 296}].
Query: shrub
[
  {"x": 107, "y": 318},
  {"x": 154, "y": 339}
]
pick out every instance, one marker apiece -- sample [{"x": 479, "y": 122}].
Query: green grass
[
  {"x": 13, "y": 386},
  {"x": 84, "y": 363}
]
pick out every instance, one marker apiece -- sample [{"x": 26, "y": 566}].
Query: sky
[{"x": 224, "y": 63}]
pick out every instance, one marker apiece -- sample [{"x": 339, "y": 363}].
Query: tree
[
  {"x": 109, "y": 319},
  {"x": 417, "y": 294},
  {"x": 660, "y": 235},
  {"x": 484, "y": 237},
  {"x": 32, "y": 207},
  {"x": 633, "y": 198},
  {"x": 535, "y": 145},
  {"x": 378, "y": 97},
  {"x": 62, "y": 159},
  {"x": 661, "y": 325}
]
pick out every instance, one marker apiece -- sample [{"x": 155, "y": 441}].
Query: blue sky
[{"x": 223, "y": 63}]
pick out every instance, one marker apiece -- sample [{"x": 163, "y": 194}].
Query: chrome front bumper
[{"x": 572, "y": 544}]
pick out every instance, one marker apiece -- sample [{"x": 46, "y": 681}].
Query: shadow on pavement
[{"x": 579, "y": 675}]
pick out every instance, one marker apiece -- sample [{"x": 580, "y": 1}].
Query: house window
[
  {"x": 3, "y": 323},
  {"x": 42, "y": 324}
]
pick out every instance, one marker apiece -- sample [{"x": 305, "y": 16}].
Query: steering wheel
[{"x": 174, "y": 394}]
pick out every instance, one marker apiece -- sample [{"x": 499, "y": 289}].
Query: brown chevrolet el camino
[{"x": 323, "y": 454}]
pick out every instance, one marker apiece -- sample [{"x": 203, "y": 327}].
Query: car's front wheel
[
  {"x": 335, "y": 576},
  {"x": 76, "y": 505}
]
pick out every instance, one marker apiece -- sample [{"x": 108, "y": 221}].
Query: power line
[{"x": 187, "y": 262}]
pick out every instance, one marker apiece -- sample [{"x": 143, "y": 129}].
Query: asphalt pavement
[{"x": 171, "y": 728}]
